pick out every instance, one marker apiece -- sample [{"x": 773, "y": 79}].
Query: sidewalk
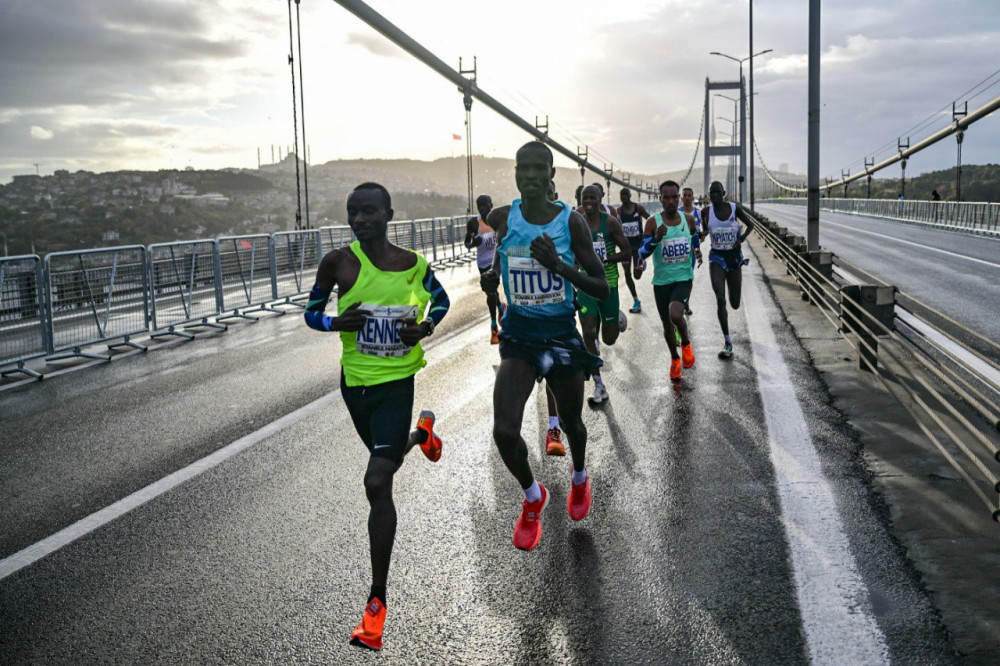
[{"x": 945, "y": 531}]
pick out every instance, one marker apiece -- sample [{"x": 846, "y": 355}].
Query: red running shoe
[
  {"x": 687, "y": 353},
  {"x": 368, "y": 633},
  {"x": 578, "y": 501},
  {"x": 432, "y": 445},
  {"x": 553, "y": 443},
  {"x": 528, "y": 528},
  {"x": 675, "y": 370}
]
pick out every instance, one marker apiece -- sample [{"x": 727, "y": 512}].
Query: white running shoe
[
  {"x": 600, "y": 395},
  {"x": 622, "y": 322}
]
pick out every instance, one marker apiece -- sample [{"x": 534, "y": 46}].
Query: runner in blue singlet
[{"x": 539, "y": 241}]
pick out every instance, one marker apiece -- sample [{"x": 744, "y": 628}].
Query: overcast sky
[{"x": 122, "y": 84}]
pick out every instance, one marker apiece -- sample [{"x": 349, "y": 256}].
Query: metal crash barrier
[
  {"x": 183, "y": 287},
  {"x": 982, "y": 218},
  {"x": 96, "y": 296},
  {"x": 22, "y": 325},
  {"x": 243, "y": 264},
  {"x": 295, "y": 256}
]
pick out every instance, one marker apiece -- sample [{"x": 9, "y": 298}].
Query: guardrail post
[
  {"x": 434, "y": 245},
  {"x": 877, "y": 301}
]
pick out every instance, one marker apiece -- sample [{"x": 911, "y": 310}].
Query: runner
[
  {"x": 479, "y": 235},
  {"x": 384, "y": 290},
  {"x": 721, "y": 220},
  {"x": 539, "y": 241},
  {"x": 632, "y": 216},
  {"x": 687, "y": 207},
  {"x": 602, "y": 316},
  {"x": 669, "y": 238},
  {"x": 553, "y": 436}
]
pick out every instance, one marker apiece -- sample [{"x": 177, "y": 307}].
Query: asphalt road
[
  {"x": 954, "y": 273},
  {"x": 697, "y": 549}
]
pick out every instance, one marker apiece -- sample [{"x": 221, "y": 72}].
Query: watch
[
  {"x": 559, "y": 266},
  {"x": 430, "y": 325}
]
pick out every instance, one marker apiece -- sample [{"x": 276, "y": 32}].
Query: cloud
[
  {"x": 376, "y": 44},
  {"x": 40, "y": 133}
]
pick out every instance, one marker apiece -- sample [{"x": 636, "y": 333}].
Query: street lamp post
[{"x": 743, "y": 147}]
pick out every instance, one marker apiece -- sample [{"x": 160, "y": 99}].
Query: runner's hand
[
  {"x": 353, "y": 318},
  {"x": 543, "y": 250},
  {"x": 489, "y": 282},
  {"x": 661, "y": 231},
  {"x": 697, "y": 255},
  {"x": 411, "y": 333}
]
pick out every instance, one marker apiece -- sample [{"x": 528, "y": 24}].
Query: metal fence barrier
[
  {"x": 946, "y": 376},
  {"x": 295, "y": 256},
  {"x": 22, "y": 305},
  {"x": 95, "y": 296},
  {"x": 974, "y": 217},
  {"x": 243, "y": 264},
  {"x": 183, "y": 287}
]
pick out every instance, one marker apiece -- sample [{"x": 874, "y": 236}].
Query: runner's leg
[
  {"x": 734, "y": 280},
  {"x": 718, "y": 276},
  {"x": 381, "y": 518},
  {"x": 514, "y": 383},
  {"x": 568, "y": 394}
]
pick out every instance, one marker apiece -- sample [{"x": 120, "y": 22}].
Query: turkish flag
[{"x": 456, "y": 137}]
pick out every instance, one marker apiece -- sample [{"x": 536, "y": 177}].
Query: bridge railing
[
  {"x": 976, "y": 217},
  {"x": 946, "y": 376},
  {"x": 71, "y": 300},
  {"x": 22, "y": 322}
]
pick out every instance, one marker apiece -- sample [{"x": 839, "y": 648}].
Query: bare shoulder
[{"x": 498, "y": 217}]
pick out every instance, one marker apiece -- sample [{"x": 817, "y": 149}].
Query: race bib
[
  {"x": 724, "y": 239},
  {"x": 489, "y": 241},
  {"x": 675, "y": 250},
  {"x": 532, "y": 284},
  {"x": 380, "y": 334},
  {"x": 601, "y": 249},
  {"x": 631, "y": 229}
]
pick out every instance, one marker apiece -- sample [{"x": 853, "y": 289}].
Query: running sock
[
  {"x": 553, "y": 422},
  {"x": 493, "y": 322},
  {"x": 597, "y": 380},
  {"x": 729, "y": 340},
  {"x": 377, "y": 591},
  {"x": 579, "y": 477},
  {"x": 533, "y": 493}
]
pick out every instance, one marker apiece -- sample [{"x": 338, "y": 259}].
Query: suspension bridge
[{"x": 183, "y": 482}]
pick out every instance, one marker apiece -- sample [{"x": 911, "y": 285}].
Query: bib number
[
  {"x": 380, "y": 334},
  {"x": 675, "y": 250},
  {"x": 601, "y": 249},
  {"x": 631, "y": 229},
  {"x": 532, "y": 284},
  {"x": 489, "y": 242},
  {"x": 724, "y": 239}
]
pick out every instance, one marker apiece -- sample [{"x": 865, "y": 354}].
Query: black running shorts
[
  {"x": 560, "y": 356},
  {"x": 668, "y": 293},
  {"x": 381, "y": 415}
]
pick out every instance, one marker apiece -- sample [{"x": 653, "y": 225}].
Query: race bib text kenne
[{"x": 380, "y": 334}]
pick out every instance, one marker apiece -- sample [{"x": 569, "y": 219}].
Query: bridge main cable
[{"x": 411, "y": 46}]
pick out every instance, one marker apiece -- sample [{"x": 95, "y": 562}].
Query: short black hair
[
  {"x": 483, "y": 198},
  {"x": 386, "y": 199},
  {"x": 625, "y": 190},
  {"x": 535, "y": 145},
  {"x": 688, "y": 189},
  {"x": 669, "y": 182}
]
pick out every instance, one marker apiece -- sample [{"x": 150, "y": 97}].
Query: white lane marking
[
  {"x": 102, "y": 517},
  {"x": 923, "y": 247},
  {"x": 98, "y": 519},
  {"x": 833, "y": 599}
]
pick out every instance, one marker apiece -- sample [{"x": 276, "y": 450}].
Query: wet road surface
[{"x": 691, "y": 553}]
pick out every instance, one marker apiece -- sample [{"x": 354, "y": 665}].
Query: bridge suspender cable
[
  {"x": 405, "y": 42},
  {"x": 959, "y": 125}
]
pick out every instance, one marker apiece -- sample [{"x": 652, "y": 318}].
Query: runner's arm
[
  {"x": 352, "y": 319},
  {"x": 643, "y": 213},
  {"x": 489, "y": 282},
  {"x": 624, "y": 253},
  {"x": 704, "y": 223},
  {"x": 592, "y": 282},
  {"x": 472, "y": 239},
  {"x": 742, "y": 216}
]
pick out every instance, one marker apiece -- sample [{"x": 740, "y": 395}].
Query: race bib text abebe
[
  {"x": 380, "y": 334},
  {"x": 631, "y": 229},
  {"x": 532, "y": 284},
  {"x": 675, "y": 250}
]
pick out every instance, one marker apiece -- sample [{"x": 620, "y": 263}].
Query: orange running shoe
[
  {"x": 687, "y": 353},
  {"x": 675, "y": 370},
  {"x": 432, "y": 445},
  {"x": 578, "y": 501},
  {"x": 528, "y": 528},
  {"x": 553, "y": 443},
  {"x": 494, "y": 335},
  {"x": 368, "y": 633}
]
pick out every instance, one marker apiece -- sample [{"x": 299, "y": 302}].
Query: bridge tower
[{"x": 738, "y": 147}]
